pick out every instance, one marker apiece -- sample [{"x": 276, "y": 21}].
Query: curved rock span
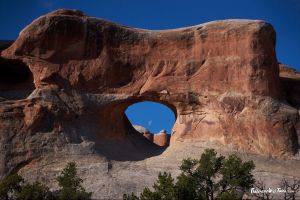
[{"x": 68, "y": 78}]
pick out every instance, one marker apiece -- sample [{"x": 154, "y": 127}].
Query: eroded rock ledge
[{"x": 220, "y": 78}]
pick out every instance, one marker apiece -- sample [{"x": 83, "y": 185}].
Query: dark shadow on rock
[
  {"x": 291, "y": 89},
  {"x": 131, "y": 146},
  {"x": 16, "y": 79},
  {"x": 134, "y": 148}
]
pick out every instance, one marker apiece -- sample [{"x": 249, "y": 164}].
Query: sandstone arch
[
  {"x": 159, "y": 115},
  {"x": 221, "y": 77}
]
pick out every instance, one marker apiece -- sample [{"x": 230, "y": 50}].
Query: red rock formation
[
  {"x": 161, "y": 139},
  {"x": 146, "y": 133},
  {"x": 220, "y": 78},
  {"x": 149, "y": 136}
]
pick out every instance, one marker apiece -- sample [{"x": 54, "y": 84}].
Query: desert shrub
[
  {"x": 209, "y": 177},
  {"x": 292, "y": 188},
  {"x": 13, "y": 187},
  {"x": 70, "y": 184},
  {"x": 131, "y": 196},
  {"x": 10, "y": 186},
  {"x": 35, "y": 191},
  {"x": 163, "y": 188}
]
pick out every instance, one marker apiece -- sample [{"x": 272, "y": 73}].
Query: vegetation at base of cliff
[
  {"x": 70, "y": 185},
  {"x": 210, "y": 177},
  {"x": 13, "y": 187},
  {"x": 213, "y": 177}
]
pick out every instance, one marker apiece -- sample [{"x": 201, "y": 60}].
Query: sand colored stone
[{"x": 220, "y": 78}]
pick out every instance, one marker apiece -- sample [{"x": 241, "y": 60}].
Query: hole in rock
[
  {"x": 16, "y": 80},
  {"x": 153, "y": 120}
]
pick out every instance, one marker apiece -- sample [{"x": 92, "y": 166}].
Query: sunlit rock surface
[{"x": 68, "y": 79}]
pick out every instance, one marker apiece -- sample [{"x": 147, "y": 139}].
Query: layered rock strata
[{"x": 68, "y": 78}]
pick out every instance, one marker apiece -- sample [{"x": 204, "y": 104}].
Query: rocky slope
[{"x": 68, "y": 78}]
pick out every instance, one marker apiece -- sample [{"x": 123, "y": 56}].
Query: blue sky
[
  {"x": 284, "y": 15},
  {"x": 151, "y": 115},
  {"x": 164, "y": 14}
]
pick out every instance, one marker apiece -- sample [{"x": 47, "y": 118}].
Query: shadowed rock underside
[{"x": 67, "y": 80}]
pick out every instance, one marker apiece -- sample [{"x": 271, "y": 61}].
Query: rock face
[
  {"x": 141, "y": 129},
  {"x": 146, "y": 133},
  {"x": 68, "y": 78},
  {"x": 161, "y": 139}
]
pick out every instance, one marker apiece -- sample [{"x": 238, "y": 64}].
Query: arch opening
[
  {"x": 153, "y": 120},
  {"x": 16, "y": 80}
]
